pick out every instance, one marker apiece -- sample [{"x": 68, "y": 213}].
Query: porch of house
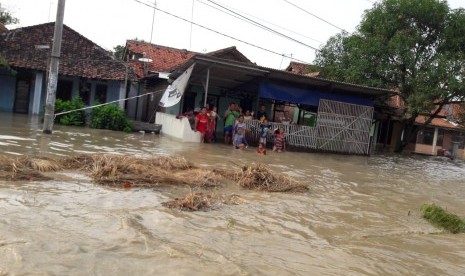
[
  {"x": 436, "y": 141},
  {"x": 26, "y": 91},
  {"x": 331, "y": 117}
]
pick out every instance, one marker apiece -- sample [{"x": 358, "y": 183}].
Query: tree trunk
[{"x": 409, "y": 131}]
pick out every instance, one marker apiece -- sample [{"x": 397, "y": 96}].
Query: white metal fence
[
  {"x": 344, "y": 127},
  {"x": 341, "y": 127},
  {"x": 296, "y": 135}
]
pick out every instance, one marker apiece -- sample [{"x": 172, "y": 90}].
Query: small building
[
  {"x": 437, "y": 138},
  {"x": 330, "y": 116},
  {"x": 303, "y": 69},
  {"x": 153, "y": 64},
  {"x": 85, "y": 70}
]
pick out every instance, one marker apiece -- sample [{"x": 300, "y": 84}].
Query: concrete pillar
[
  {"x": 38, "y": 84},
  {"x": 122, "y": 94},
  {"x": 92, "y": 93},
  {"x": 435, "y": 140}
]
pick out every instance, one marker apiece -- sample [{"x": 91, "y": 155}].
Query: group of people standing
[
  {"x": 235, "y": 129},
  {"x": 205, "y": 123}
]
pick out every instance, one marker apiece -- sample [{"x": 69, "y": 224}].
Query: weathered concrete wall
[{"x": 177, "y": 128}]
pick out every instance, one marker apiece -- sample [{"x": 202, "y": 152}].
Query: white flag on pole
[{"x": 175, "y": 90}]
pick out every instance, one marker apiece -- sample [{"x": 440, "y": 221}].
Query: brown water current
[{"x": 361, "y": 216}]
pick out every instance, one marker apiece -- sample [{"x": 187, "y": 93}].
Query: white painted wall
[
  {"x": 177, "y": 128},
  {"x": 122, "y": 94},
  {"x": 37, "y": 93}
]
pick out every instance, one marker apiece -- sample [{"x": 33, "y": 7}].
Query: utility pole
[{"x": 53, "y": 75}]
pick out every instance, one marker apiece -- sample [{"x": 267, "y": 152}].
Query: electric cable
[
  {"x": 316, "y": 16},
  {"x": 220, "y": 33},
  {"x": 246, "y": 19},
  {"x": 263, "y": 20}
]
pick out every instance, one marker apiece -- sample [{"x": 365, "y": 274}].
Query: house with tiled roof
[
  {"x": 441, "y": 134},
  {"x": 302, "y": 69},
  {"x": 153, "y": 63},
  {"x": 3, "y": 28},
  {"x": 85, "y": 69}
]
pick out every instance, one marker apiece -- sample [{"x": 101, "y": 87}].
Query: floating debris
[
  {"x": 131, "y": 172},
  {"x": 24, "y": 168},
  {"x": 441, "y": 218},
  {"x": 262, "y": 178},
  {"x": 198, "y": 201}
]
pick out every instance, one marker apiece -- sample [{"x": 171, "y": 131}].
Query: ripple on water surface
[{"x": 361, "y": 216}]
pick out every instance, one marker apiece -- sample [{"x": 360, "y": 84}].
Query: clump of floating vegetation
[
  {"x": 441, "y": 218},
  {"x": 131, "y": 172},
  {"x": 198, "y": 201},
  {"x": 118, "y": 171},
  {"x": 262, "y": 178},
  {"x": 25, "y": 168}
]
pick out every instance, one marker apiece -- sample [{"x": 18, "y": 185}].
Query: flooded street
[{"x": 361, "y": 216}]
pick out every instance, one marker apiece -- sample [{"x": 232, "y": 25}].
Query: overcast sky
[{"x": 111, "y": 22}]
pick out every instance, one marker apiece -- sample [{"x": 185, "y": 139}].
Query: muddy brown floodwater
[{"x": 361, "y": 216}]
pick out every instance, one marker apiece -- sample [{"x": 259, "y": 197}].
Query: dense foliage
[
  {"x": 110, "y": 117},
  {"x": 441, "y": 218},
  {"x": 414, "y": 46},
  {"x": 76, "y": 118},
  {"x": 118, "y": 51},
  {"x": 6, "y": 17}
]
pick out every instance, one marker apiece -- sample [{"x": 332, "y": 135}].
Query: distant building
[
  {"x": 303, "y": 69},
  {"x": 153, "y": 64},
  {"x": 85, "y": 70},
  {"x": 434, "y": 139}
]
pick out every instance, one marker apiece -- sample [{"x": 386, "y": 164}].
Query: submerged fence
[
  {"x": 341, "y": 127},
  {"x": 296, "y": 135}
]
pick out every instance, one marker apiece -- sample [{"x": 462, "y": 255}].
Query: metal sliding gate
[{"x": 343, "y": 127}]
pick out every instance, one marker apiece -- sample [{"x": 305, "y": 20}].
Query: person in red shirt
[
  {"x": 261, "y": 149},
  {"x": 201, "y": 123},
  {"x": 280, "y": 141}
]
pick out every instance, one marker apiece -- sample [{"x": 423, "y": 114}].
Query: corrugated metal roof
[{"x": 280, "y": 75}]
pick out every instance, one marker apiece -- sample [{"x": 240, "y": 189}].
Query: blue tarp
[{"x": 305, "y": 96}]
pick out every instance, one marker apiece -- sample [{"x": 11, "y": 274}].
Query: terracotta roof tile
[
  {"x": 162, "y": 58},
  {"x": 3, "y": 28},
  {"x": 438, "y": 122},
  {"x": 302, "y": 69},
  {"x": 166, "y": 59},
  {"x": 79, "y": 56}
]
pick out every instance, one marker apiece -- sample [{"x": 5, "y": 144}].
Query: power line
[
  {"x": 220, "y": 33},
  {"x": 268, "y": 22},
  {"x": 248, "y": 20},
  {"x": 316, "y": 16}
]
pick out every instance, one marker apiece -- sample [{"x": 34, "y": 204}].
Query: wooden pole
[{"x": 54, "y": 64}]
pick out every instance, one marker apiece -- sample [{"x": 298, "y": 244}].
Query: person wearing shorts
[
  {"x": 280, "y": 141},
  {"x": 264, "y": 129},
  {"x": 229, "y": 118}
]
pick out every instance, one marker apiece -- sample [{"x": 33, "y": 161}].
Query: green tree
[
  {"x": 6, "y": 17},
  {"x": 416, "y": 47},
  {"x": 119, "y": 51}
]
